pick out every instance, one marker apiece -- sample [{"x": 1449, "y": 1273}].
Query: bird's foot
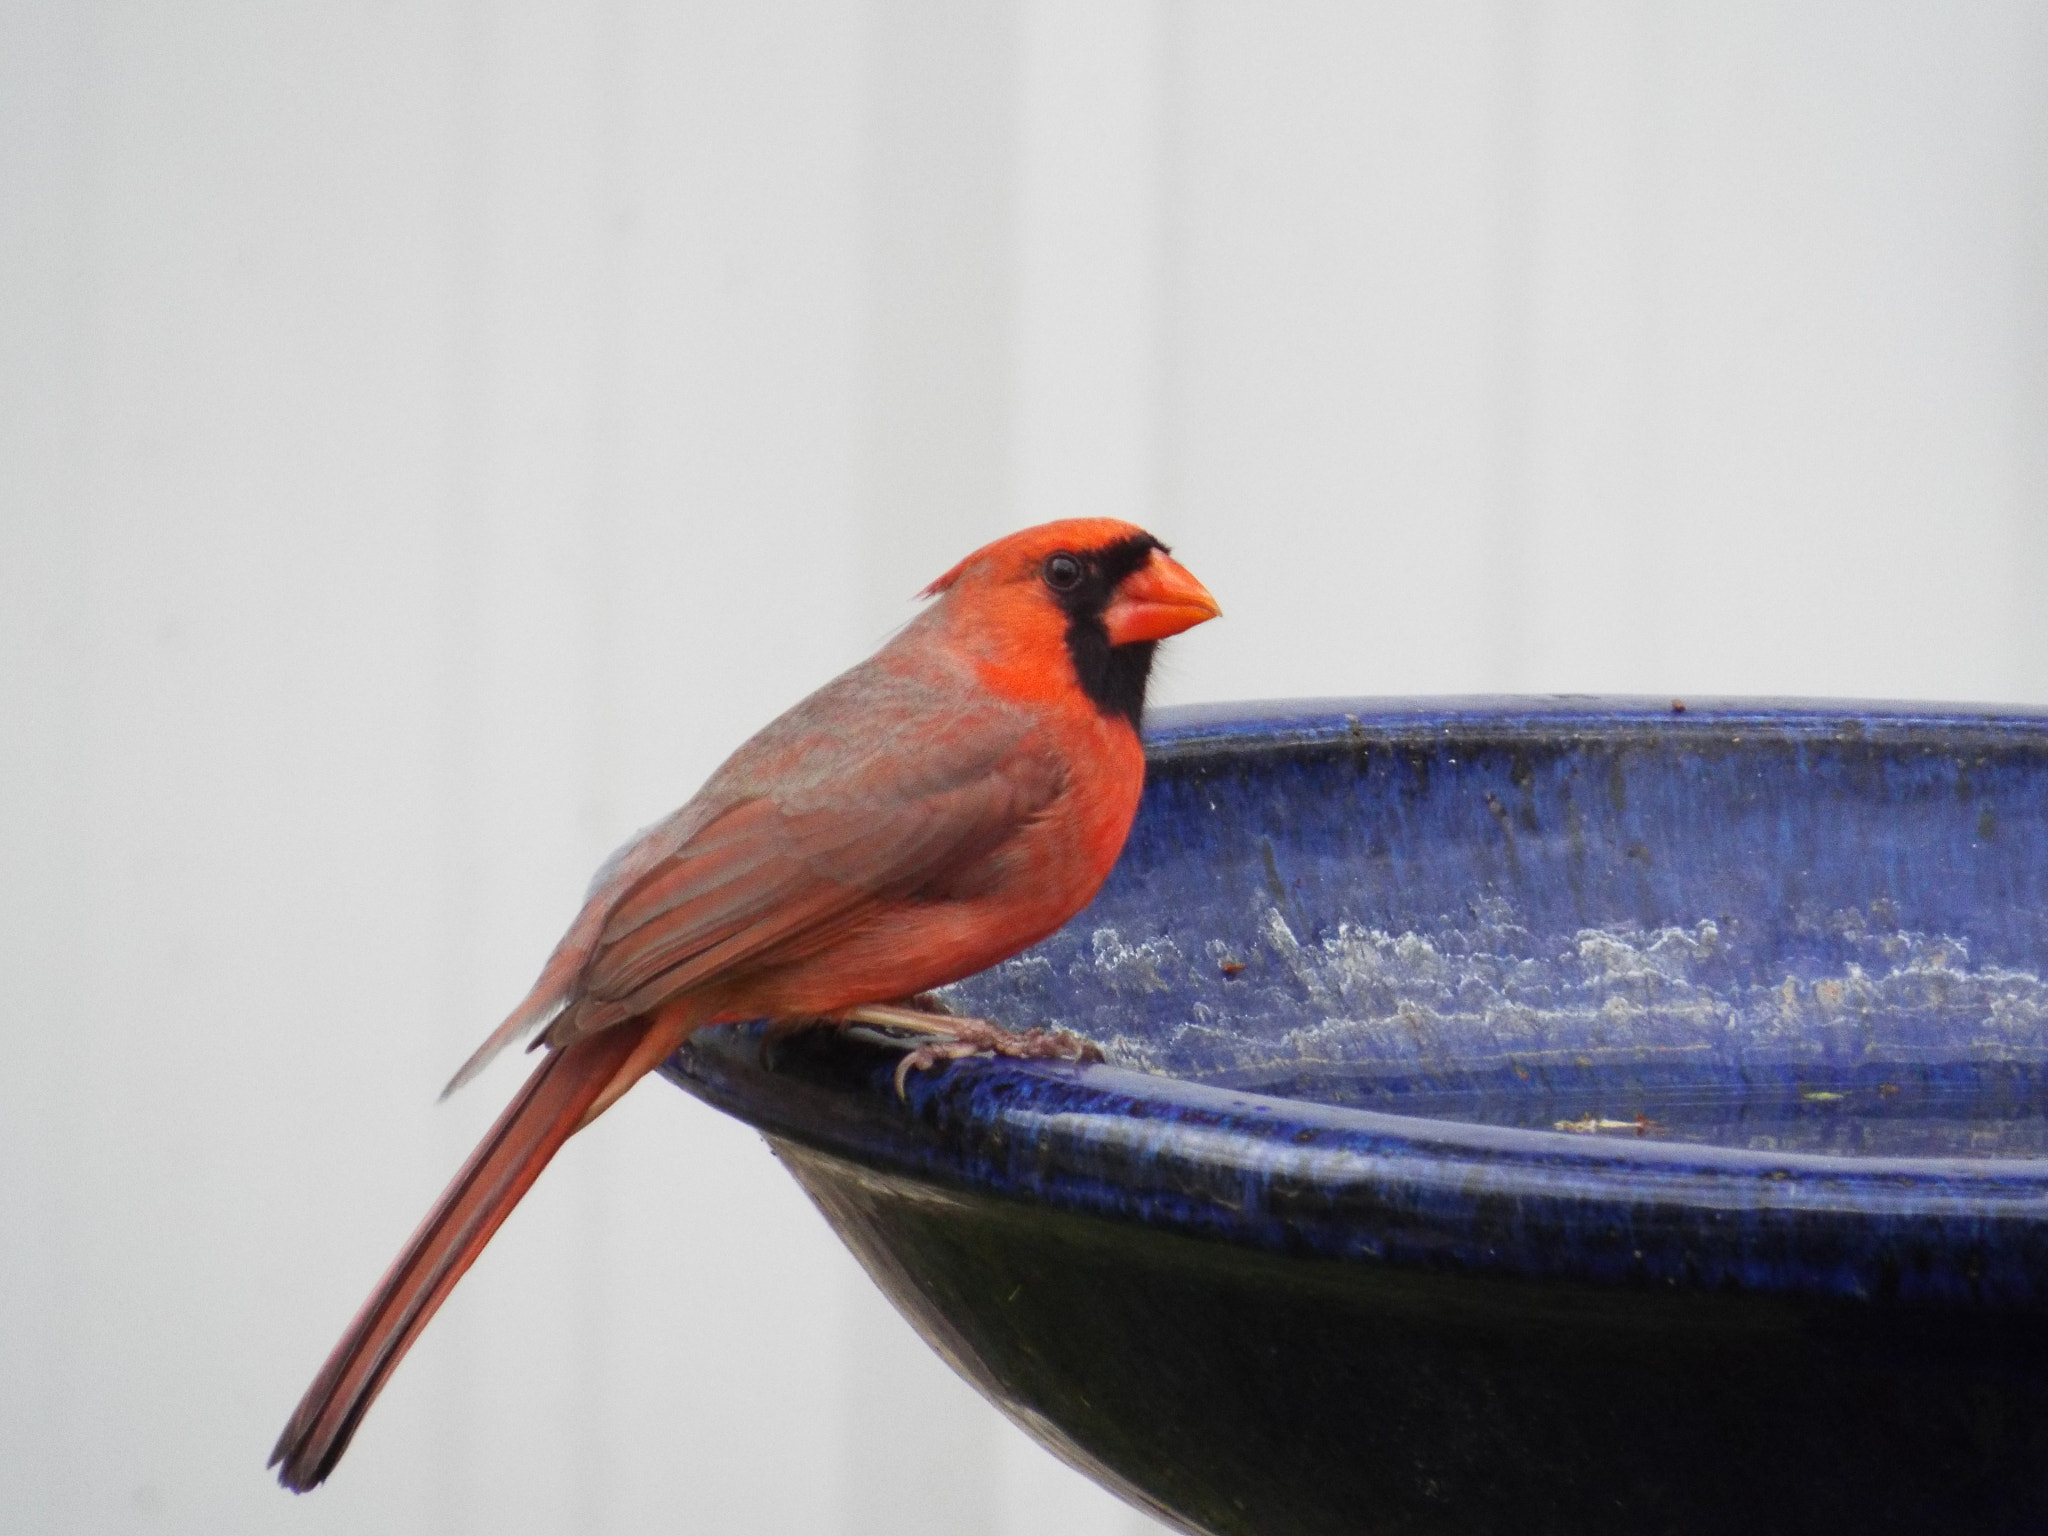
[{"x": 952, "y": 1038}]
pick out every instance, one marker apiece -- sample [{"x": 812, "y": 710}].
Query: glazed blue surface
[
  {"x": 1351, "y": 944},
  {"x": 1519, "y": 1116}
]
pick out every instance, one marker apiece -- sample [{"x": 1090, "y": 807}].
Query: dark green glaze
[{"x": 1247, "y": 1394}]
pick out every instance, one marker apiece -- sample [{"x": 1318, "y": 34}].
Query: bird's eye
[{"x": 1062, "y": 572}]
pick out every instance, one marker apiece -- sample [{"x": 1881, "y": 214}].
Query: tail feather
[
  {"x": 547, "y": 1111},
  {"x": 557, "y": 977}
]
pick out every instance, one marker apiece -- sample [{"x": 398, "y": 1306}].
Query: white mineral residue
[{"x": 1486, "y": 993}]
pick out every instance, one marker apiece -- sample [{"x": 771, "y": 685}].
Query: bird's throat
[{"x": 1112, "y": 676}]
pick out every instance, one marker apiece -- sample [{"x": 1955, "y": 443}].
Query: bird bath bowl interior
[{"x": 1519, "y": 1116}]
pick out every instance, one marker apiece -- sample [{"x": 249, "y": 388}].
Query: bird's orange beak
[{"x": 1158, "y": 599}]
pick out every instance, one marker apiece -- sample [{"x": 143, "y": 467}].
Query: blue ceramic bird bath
[{"x": 1519, "y": 1116}]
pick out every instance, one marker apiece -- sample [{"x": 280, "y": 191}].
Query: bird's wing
[
  {"x": 873, "y": 788},
  {"x": 768, "y": 883}
]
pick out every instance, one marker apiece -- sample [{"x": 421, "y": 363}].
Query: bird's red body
[{"x": 944, "y": 804}]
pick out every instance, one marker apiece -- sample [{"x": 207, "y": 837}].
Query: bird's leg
[
  {"x": 923, "y": 1014},
  {"x": 953, "y": 1037}
]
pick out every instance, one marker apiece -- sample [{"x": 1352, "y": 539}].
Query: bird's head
[{"x": 1086, "y": 600}]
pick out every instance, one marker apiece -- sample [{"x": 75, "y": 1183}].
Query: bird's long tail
[{"x": 557, "y": 1099}]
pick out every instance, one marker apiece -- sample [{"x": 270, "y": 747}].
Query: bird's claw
[
  {"x": 978, "y": 1037},
  {"x": 927, "y": 1056}
]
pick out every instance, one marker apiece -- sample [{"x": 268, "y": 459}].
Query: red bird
[{"x": 956, "y": 797}]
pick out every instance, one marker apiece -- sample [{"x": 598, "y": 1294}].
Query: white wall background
[{"x": 431, "y": 436}]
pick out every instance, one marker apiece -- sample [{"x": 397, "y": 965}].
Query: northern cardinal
[{"x": 952, "y": 799}]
